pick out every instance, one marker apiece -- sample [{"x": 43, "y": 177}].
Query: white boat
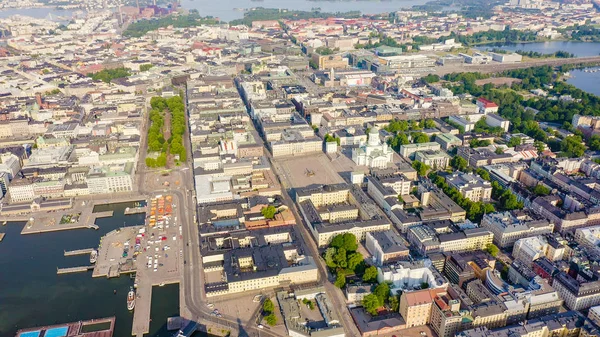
[
  {"x": 162, "y": 284},
  {"x": 93, "y": 256},
  {"x": 131, "y": 299}
]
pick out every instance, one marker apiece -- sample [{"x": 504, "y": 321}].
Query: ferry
[
  {"x": 93, "y": 256},
  {"x": 131, "y": 299}
]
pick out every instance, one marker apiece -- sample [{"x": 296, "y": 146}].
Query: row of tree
[
  {"x": 107, "y": 75},
  {"x": 268, "y": 310},
  {"x": 156, "y": 138}
]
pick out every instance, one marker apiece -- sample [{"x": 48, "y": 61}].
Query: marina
[
  {"x": 35, "y": 259},
  {"x": 103, "y": 327}
]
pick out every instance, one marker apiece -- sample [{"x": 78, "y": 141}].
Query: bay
[
  {"x": 226, "y": 10},
  {"x": 580, "y": 49},
  {"x": 586, "y": 81}
]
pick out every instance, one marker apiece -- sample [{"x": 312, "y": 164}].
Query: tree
[
  {"x": 268, "y": 306},
  {"x": 340, "y": 258},
  {"x": 346, "y": 241},
  {"x": 594, "y": 143},
  {"x": 150, "y": 162},
  {"x": 424, "y": 285},
  {"x": 514, "y": 141},
  {"x": 370, "y": 274},
  {"x": 329, "y": 254},
  {"x": 483, "y": 174},
  {"x": 572, "y": 146},
  {"x": 350, "y": 242},
  {"x": 146, "y": 67},
  {"x": 371, "y": 303},
  {"x": 394, "y": 303},
  {"x": 541, "y": 190},
  {"x": 428, "y": 124},
  {"x": 382, "y": 291},
  {"x": 431, "y": 78},
  {"x": 354, "y": 260},
  {"x": 271, "y": 319},
  {"x": 539, "y": 146},
  {"x": 419, "y": 137},
  {"x": 340, "y": 279},
  {"x": 329, "y": 138},
  {"x": 420, "y": 167},
  {"x": 161, "y": 160},
  {"x": 492, "y": 249},
  {"x": 509, "y": 201},
  {"x": 268, "y": 212},
  {"x": 459, "y": 163},
  {"x": 398, "y": 140}
]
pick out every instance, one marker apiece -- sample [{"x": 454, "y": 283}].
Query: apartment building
[
  {"x": 385, "y": 247},
  {"x": 415, "y": 306},
  {"x": 446, "y": 319},
  {"x": 510, "y": 226},
  {"x": 471, "y": 186},
  {"x": 577, "y": 295}
]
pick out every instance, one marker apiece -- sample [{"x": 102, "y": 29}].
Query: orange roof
[{"x": 421, "y": 297}]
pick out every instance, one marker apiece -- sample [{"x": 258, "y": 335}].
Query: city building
[
  {"x": 385, "y": 247},
  {"x": 408, "y": 150},
  {"x": 471, "y": 186},
  {"x": 415, "y": 306},
  {"x": 510, "y": 226},
  {"x": 437, "y": 160}
]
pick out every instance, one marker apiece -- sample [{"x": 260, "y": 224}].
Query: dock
[
  {"x": 141, "y": 313},
  {"x": 71, "y": 270},
  {"x": 135, "y": 210},
  {"x": 78, "y": 252},
  {"x": 111, "y": 262}
]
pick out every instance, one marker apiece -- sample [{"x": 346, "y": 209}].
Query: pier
[
  {"x": 70, "y": 270},
  {"x": 79, "y": 252}
]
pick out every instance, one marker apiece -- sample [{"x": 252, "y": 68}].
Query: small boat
[
  {"x": 162, "y": 284},
  {"x": 131, "y": 299},
  {"x": 4, "y": 223},
  {"x": 93, "y": 256}
]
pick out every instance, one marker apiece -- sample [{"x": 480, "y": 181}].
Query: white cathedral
[{"x": 374, "y": 153}]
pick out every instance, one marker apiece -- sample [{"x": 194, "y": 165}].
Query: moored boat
[
  {"x": 93, "y": 256},
  {"x": 131, "y": 299}
]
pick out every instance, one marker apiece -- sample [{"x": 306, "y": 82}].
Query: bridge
[{"x": 499, "y": 67}]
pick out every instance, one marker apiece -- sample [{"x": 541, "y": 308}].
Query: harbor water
[{"x": 34, "y": 295}]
